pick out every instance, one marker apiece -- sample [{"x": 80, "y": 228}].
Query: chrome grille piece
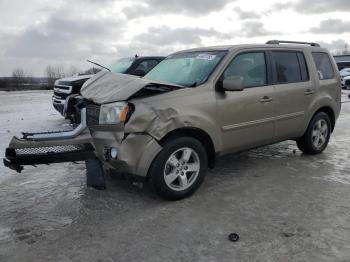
[{"x": 49, "y": 150}]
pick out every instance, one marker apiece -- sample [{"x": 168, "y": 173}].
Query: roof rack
[{"x": 277, "y": 42}]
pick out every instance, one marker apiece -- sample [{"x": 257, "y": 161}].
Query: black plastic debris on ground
[{"x": 234, "y": 237}]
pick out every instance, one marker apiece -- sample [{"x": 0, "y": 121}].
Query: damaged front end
[
  {"x": 117, "y": 145},
  {"x": 50, "y": 147}
]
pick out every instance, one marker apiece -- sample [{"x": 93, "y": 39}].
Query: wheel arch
[
  {"x": 329, "y": 111},
  {"x": 198, "y": 134}
]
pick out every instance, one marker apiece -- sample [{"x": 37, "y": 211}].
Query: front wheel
[
  {"x": 179, "y": 168},
  {"x": 316, "y": 137}
]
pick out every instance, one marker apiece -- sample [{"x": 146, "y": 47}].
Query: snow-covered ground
[
  {"x": 26, "y": 111},
  {"x": 284, "y": 205}
]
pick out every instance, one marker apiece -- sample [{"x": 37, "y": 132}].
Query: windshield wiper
[{"x": 99, "y": 65}]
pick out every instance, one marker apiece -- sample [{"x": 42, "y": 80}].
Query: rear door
[
  {"x": 293, "y": 92},
  {"x": 246, "y": 117}
]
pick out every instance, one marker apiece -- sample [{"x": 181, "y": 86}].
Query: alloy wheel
[
  {"x": 181, "y": 169},
  {"x": 319, "y": 133}
]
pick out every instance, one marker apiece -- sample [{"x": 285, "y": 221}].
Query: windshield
[
  {"x": 121, "y": 65},
  {"x": 187, "y": 69}
]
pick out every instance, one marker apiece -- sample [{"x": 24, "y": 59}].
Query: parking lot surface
[{"x": 284, "y": 205}]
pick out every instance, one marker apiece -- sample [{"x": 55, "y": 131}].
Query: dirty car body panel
[
  {"x": 234, "y": 121},
  {"x": 246, "y": 99}
]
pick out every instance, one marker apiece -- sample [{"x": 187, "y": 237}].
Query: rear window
[
  {"x": 323, "y": 65},
  {"x": 289, "y": 67}
]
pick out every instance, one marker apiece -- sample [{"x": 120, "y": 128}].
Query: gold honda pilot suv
[{"x": 197, "y": 104}]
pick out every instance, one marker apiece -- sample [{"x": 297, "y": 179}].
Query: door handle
[
  {"x": 265, "y": 99},
  {"x": 309, "y": 92}
]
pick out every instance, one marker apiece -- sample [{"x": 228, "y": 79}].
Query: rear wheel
[
  {"x": 316, "y": 137},
  {"x": 179, "y": 168}
]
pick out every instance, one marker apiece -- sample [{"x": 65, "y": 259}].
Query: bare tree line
[
  {"x": 19, "y": 76},
  {"x": 22, "y": 79},
  {"x": 53, "y": 73},
  {"x": 342, "y": 51}
]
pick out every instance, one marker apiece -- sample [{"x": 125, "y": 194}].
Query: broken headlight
[{"x": 113, "y": 113}]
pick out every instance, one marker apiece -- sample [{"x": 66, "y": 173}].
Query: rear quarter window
[{"x": 323, "y": 65}]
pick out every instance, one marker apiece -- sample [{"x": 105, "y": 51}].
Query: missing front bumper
[
  {"x": 50, "y": 147},
  {"x": 16, "y": 158}
]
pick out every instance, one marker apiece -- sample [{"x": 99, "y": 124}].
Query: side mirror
[
  {"x": 139, "y": 72},
  {"x": 233, "y": 83}
]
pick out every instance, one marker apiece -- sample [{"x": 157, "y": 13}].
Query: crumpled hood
[{"x": 107, "y": 87}]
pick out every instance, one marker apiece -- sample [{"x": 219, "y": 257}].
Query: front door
[{"x": 247, "y": 117}]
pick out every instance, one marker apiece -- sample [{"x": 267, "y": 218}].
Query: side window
[
  {"x": 251, "y": 66},
  {"x": 286, "y": 66},
  {"x": 146, "y": 65},
  {"x": 323, "y": 65}
]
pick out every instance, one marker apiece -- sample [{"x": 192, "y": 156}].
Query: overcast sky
[{"x": 35, "y": 33}]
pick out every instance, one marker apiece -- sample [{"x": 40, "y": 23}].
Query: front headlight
[{"x": 113, "y": 113}]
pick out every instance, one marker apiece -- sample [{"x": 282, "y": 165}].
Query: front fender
[{"x": 159, "y": 122}]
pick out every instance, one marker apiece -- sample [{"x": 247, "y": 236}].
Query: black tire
[
  {"x": 157, "y": 175},
  {"x": 306, "y": 142}
]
